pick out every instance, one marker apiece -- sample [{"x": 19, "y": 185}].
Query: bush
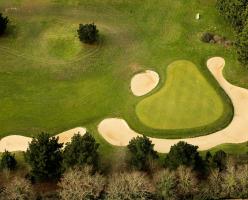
[
  {"x": 18, "y": 189},
  {"x": 3, "y": 23},
  {"x": 81, "y": 151},
  {"x": 45, "y": 157},
  {"x": 128, "y": 186},
  {"x": 141, "y": 153},
  {"x": 81, "y": 184},
  {"x": 207, "y": 37},
  {"x": 88, "y": 33},
  {"x": 8, "y": 161}
]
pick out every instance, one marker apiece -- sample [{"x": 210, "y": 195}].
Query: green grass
[
  {"x": 186, "y": 100},
  {"x": 50, "y": 82}
]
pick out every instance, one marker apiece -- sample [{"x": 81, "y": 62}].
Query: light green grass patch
[{"x": 186, "y": 100}]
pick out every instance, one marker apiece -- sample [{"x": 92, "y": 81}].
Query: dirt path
[
  {"x": 20, "y": 143},
  {"x": 144, "y": 83},
  {"x": 117, "y": 132}
]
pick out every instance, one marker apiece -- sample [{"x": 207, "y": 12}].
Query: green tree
[
  {"x": 45, "y": 157},
  {"x": 81, "y": 151},
  {"x": 8, "y": 161},
  {"x": 88, "y": 33},
  {"x": 141, "y": 152},
  {"x": 3, "y": 23},
  {"x": 184, "y": 154},
  {"x": 233, "y": 11},
  {"x": 220, "y": 160},
  {"x": 242, "y": 45}
]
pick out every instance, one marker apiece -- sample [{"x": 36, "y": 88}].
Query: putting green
[{"x": 186, "y": 100}]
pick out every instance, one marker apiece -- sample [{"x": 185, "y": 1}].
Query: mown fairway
[{"x": 51, "y": 82}]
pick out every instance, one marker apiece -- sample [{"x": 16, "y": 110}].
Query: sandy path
[
  {"x": 117, "y": 131},
  {"x": 145, "y": 82},
  {"x": 20, "y": 143}
]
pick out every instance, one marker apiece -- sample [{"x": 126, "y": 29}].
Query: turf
[
  {"x": 51, "y": 82},
  {"x": 186, "y": 100}
]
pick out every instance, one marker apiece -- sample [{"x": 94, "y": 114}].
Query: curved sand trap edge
[
  {"x": 20, "y": 143},
  {"x": 144, "y": 82},
  {"x": 117, "y": 132}
]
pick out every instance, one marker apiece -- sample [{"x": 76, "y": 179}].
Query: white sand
[
  {"x": 117, "y": 131},
  {"x": 20, "y": 143},
  {"x": 145, "y": 82}
]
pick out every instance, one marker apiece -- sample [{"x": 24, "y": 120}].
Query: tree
[
  {"x": 141, "y": 152},
  {"x": 81, "y": 183},
  {"x": 3, "y": 23},
  {"x": 88, "y": 33},
  {"x": 81, "y": 151},
  {"x": 129, "y": 186},
  {"x": 184, "y": 154},
  {"x": 18, "y": 189},
  {"x": 233, "y": 11},
  {"x": 45, "y": 157},
  {"x": 166, "y": 184},
  {"x": 8, "y": 161},
  {"x": 220, "y": 160},
  {"x": 242, "y": 45}
]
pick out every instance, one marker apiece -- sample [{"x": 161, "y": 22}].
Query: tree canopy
[
  {"x": 185, "y": 154},
  {"x": 141, "y": 152},
  {"x": 82, "y": 150},
  {"x": 45, "y": 157},
  {"x": 88, "y": 33}
]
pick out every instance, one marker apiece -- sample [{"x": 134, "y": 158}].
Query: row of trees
[
  {"x": 184, "y": 174},
  {"x": 236, "y": 13}
]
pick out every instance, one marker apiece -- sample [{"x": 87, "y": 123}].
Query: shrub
[
  {"x": 45, "y": 157},
  {"x": 18, "y": 189},
  {"x": 129, "y": 186},
  {"x": 8, "y": 161},
  {"x": 141, "y": 152},
  {"x": 88, "y": 33},
  {"x": 80, "y": 183},
  {"x": 207, "y": 37},
  {"x": 3, "y": 23},
  {"x": 81, "y": 151}
]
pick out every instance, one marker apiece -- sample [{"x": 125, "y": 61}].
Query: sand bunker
[
  {"x": 145, "y": 82},
  {"x": 20, "y": 143},
  {"x": 117, "y": 132}
]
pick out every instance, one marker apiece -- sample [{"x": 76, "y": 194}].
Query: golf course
[{"x": 52, "y": 82}]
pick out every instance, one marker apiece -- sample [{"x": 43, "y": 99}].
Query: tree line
[
  {"x": 181, "y": 174},
  {"x": 236, "y": 13}
]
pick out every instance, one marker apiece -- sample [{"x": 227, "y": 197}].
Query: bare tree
[
  {"x": 166, "y": 184},
  {"x": 18, "y": 189},
  {"x": 81, "y": 184},
  {"x": 129, "y": 186}
]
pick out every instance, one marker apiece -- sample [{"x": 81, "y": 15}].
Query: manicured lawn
[
  {"x": 51, "y": 82},
  {"x": 186, "y": 100}
]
